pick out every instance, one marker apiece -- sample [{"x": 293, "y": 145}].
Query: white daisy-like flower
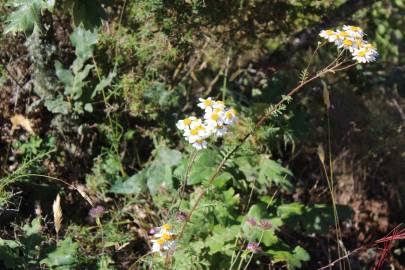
[
  {"x": 200, "y": 144},
  {"x": 197, "y": 132},
  {"x": 214, "y": 118},
  {"x": 164, "y": 240},
  {"x": 341, "y": 36},
  {"x": 185, "y": 123},
  {"x": 353, "y": 31},
  {"x": 370, "y": 49},
  {"x": 215, "y": 122},
  {"x": 329, "y": 35},
  {"x": 220, "y": 131},
  {"x": 348, "y": 44},
  {"x": 157, "y": 245},
  {"x": 351, "y": 38},
  {"x": 218, "y": 105},
  {"x": 206, "y": 104},
  {"x": 230, "y": 116},
  {"x": 364, "y": 56}
]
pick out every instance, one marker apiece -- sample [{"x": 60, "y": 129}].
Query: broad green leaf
[
  {"x": 287, "y": 210},
  {"x": 204, "y": 166},
  {"x": 73, "y": 82},
  {"x": 32, "y": 238},
  {"x": 159, "y": 176},
  {"x": 293, "y": 259},
  {"x": 269, "y": 237},
  {"x": 273, "y": 172},
  {"x": 9, "y": 254},
  {"x": 33, "y": 228},
  {"x": 58, "y": 105},
  {"x": 84, "y": 41},
  {"x": 168, "y": 156},
  {"x": 222, "y": 239},
  {"x": 133, "y": 185},
  {"x": 64, "y": 254}
]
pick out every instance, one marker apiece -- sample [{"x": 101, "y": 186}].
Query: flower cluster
[
  {"x": 217, "y": 117},
  {"x": 351, "y": 38},
  {"x": 164, "y": 240}
]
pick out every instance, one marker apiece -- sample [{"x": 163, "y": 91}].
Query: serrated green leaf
[
  {"x": 133, "y": 185},
  {"x": 64, "y": 254},
  {"x": 204, "y": 166},
  {"x": 287, "y": 210},
  {"x": 9, "y": 254},
  {"x": 73, "y": 82},
  {"x": 58, "y": 105},
  {"x": 104, "y": 82},
  {"x": 168, "y": 156},
  {"x": 222, "y": 239},
  {"x": 159, "y": 176},
  {"x": 273, "y": 172},
  {"x": 26, "y": 17},
  {"x": 293, "y": 259},
  {"x": 84, "y": 41}
]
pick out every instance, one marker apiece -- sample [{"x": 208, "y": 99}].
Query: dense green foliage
[{"x": 102, "y": 84}]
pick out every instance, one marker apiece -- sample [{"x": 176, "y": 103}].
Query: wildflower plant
[{"x": 215, "y": 123}]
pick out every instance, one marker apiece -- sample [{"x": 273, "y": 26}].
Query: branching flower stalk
[
  {"x": 349, "y": 41},
  {"x": 331, "y": 68}
]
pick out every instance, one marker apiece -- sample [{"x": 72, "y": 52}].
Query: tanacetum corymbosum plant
[{"x": 352, "y": 48}]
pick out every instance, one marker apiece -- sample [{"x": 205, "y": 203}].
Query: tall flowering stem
[{"x": 336, "y": 65}]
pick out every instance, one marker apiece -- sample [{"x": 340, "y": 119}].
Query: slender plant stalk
[
  {"x": 261, "y": 120},
  {"x": 187, "y": 175},
  {"x": 251, "y": 255},
  {"x": 239, "y": 234}
]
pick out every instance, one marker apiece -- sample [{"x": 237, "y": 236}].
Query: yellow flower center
[
  {"x": 194, "y": 131},
  {"x": 329, "y": 32},
  {"x": 167, "y": 227},
  {"x": 168, "y": 237},
  {"x": 161, "y": 241},
  {"x": 214, "y": 116},
  {"x": 207, "y": 102},
  {"x": 187, "y": 121},
  {"x": 200, "y": 128},
  {"x": 344, "y": 34},
  {"x": 361, "y": 53},
  {"x": 217, "y": 110},
  {"x": 200, "y": 141},
  {"x": 229, "y": 115},
  {"x": 347, "y": 42},
  {"x": 355, "y": 28},
  {"x": 359, "y": 42}
]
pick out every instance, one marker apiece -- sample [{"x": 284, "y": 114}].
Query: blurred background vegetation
[{"x": 97, "y": 87}]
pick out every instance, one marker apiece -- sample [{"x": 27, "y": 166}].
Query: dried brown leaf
[{"x": 19, "y": 120}]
